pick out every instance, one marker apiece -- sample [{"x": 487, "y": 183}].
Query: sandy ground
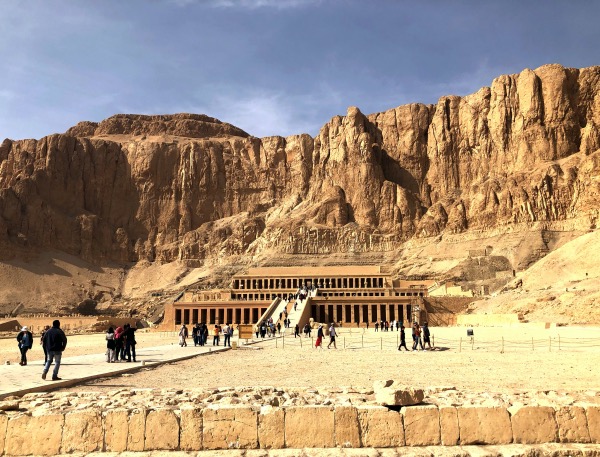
[{"x": 531, "y": 361}]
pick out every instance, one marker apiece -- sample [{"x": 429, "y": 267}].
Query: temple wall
[{"x": 245, "y": 427}]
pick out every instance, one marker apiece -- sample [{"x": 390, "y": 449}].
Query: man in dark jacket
[
  {"x": 25, "y": 339},
  {"x": 55, "y": 342},
  {"x": 130, "y": 342}
]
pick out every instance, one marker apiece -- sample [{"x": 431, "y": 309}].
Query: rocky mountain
[{"x": 520, "y": 155}]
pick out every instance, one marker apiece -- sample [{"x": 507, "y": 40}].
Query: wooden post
[
  {"x": 362, "y": 340},
  {"x": 300, "y": 341},
  {"x": 432, "y": 340},
  {"x": 460, "y": 345},
  {"x": 532, "y": 345},
  {"x": 472, "y": 342},
  {"x": 502, "y": 352},
  {"x": 344, "y": 342},
  {"x": 559, "y": 341},
  {"x": 381, "y": 342},
  {"x": 550, "y": 346}
]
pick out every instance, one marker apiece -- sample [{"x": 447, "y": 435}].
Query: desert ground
[{"x": 531, "y": 361}]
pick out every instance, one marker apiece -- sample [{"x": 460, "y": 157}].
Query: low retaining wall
[{"x": 244, "y": 427}]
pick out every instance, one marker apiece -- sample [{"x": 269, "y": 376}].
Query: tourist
[
  {"x": 332, "y": 335},
  {"x": 130, "y": 342},
  {"x": 55, "y": 341},
  {"x": 183, "y": 334},
  {"x": 376, "y": 326},
  {"x": 216, "y": 334},
  {"x": 227, "y": 330},
  {"x": 119, "y": 342},
  {"x": 25, "y": 339},
  {"x": 203, "y": 334},
  {"x": 110, "y": 345},
  {"x": 416, "y": 336},
  {"x": 195, "y": 330},
  {"x": 426, "y": 336},
  {"x": 46, "y": 328},
  {"x": 402, "y": 339},
  {"x": 319, "y": 343},
  {"x": 296, "y": 331},
  {"x": 257, "y": 329},
  {"x": 278, "y": 328},
  {"x": 263, "y": 330}
]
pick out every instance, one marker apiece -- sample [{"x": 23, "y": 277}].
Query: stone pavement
[{"x": 19, "y": 380}]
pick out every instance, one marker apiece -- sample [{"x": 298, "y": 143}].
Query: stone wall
[{"x": 314, "y": 426}]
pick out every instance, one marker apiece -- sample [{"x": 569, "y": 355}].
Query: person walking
[
  {"x": 110, "y": 345},
  {"x": 426, "y": 336},
  {"x": 297, "y": 331},
  {"x": 402, "y": 339},
  {"x": 332, "y": 335},
  {"x": 25, "y": 342},
  {"x": 319, "y": 343},
  {"x": 416, "y": 336},
  {"x": 46, "y": 328},
  {"x": 55, "y": 341},
  {"x": 183, "y": 334}
]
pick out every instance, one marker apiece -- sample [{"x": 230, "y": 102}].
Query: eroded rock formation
[{"x": 525, "y": 150}]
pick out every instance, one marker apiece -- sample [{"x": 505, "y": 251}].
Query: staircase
[{"x": 301, "y": 314}]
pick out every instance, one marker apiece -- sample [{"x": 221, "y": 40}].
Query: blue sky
[{"x": 270, "y": 67}]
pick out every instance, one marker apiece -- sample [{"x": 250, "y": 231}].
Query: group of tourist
[
  {"x": 386, "y": 326},
  {"x": 268, "y": 328},
  {"x": 120, "y": 344},
  {"x": 421, "y": 336},
  {"x": 53, "y": 341},
  {"x": 200, "y": 333}
]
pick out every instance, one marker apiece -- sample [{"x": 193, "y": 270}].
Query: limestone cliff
[{"x": 523, "y": 151}]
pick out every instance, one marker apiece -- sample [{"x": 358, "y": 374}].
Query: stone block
[
  {"x": 162, "y": 431},
  {"x": 346, "y": 427},
  {"x": 82, "y": 432},
  {"x": 391, "y": 393},
  {"x": 421, "y": 425},
  {"x": 232, "y": 427},
  {"x": 190, "y": 429},
  {"x": 271, "y": 426},
  {"x": 116, "y": 430},
  {"x": 484, "y": 425},
  {"x": 3, "y": 423},
  {"x": 137, "y": 429},
  {"x": 534, "y": 425},
  {"x": 449, "y": 432},
  {"x": 572, "y": 425},
  {"x": 48, "y": 432},
  {"x": 593, "y": 419},
  {"x": 309, "y": 426},
  {"x": 380, "y": 427}
]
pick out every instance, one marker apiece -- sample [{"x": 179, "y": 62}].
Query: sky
[{"x": 270, "y": 67}]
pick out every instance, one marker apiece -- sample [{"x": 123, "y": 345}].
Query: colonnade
[
  {"x": 222, "y": 314},
  {"x": 321, "y": 283},
  {"x": 361, "y": 313}
]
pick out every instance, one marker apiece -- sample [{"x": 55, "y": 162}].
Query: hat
[{"x": 24, "y": 329}]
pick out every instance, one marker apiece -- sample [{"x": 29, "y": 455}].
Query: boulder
[{"x": 391, "y": 393}]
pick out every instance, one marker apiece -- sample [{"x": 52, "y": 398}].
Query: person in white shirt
[{"x": 332, "y": 335}]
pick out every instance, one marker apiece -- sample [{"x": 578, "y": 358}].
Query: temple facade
[{"x": 349, "y": 295}]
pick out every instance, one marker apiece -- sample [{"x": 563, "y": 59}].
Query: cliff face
[{"x": 187, "y": 186}]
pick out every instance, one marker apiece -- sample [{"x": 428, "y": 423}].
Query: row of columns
[
  {"x": 321, "y": 283},
  {"x": 231, "y": 315},
  {"x": 362, "y": 313}
]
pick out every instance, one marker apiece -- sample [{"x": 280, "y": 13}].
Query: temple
[{"x": 348, "y": 295}]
